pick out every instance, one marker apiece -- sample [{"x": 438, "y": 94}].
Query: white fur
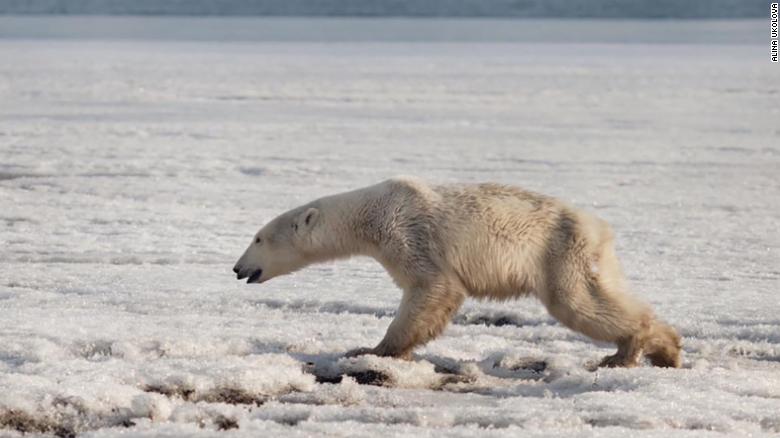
[{"x": 443, "y": 243}]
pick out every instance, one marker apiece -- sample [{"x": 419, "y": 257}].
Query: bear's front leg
[{"x": 423, "y": 314}]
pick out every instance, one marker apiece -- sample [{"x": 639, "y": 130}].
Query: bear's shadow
[{"x": 328, "y": 368}]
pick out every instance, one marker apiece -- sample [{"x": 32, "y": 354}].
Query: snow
[{"x": 134, "y": 173}]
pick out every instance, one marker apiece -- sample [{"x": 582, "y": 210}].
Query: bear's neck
[{"x": 343, "y": 234}]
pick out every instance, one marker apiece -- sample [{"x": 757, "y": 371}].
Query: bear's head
[{"x": 280, "y": 247}]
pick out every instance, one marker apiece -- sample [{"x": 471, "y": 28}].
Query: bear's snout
[
  {"x": 239, "y": 275},
  {"x": 253, "y": 275}
]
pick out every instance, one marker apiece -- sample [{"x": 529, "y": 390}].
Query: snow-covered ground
[{"x": 133, "y": 174}]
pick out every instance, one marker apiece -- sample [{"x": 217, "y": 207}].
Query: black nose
[{"x": 235, "y": 269}]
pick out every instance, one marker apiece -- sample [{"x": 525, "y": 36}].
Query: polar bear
[{"x": 443, "y": 243}]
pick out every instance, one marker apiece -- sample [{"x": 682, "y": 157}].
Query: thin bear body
[{"x": 444, "y": 243}]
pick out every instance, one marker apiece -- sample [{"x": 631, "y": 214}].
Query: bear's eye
[{"x": 258, "y": 240}]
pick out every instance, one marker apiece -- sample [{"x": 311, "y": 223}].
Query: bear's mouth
[{"x": 255, "y": 276}]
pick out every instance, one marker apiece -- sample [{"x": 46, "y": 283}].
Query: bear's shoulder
[
  {"x": 412, "y": 185},
  {"x": 408, "y": 182}
]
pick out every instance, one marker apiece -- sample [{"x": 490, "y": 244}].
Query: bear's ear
[{"x": 306, "y": 219}]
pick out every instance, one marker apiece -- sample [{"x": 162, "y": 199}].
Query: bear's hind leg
[
  {"x": 423, "y": 314},
  {"x": 585, "y": 307},
  {"x": 658, "y": 341},
  {"x": 663, "y": 346},
  {"x": 591, "y": 299},
  {"x": 628, "y": 355},
  {"x": 585, "y": 289}
]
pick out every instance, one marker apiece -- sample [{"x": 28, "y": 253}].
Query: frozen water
[{"x": 133, "y": 174}]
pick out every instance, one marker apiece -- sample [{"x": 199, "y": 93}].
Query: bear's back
[{"x": 496, "y": 236}]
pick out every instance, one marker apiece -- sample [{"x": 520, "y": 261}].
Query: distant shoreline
[
  {"x": 643, "y": 9},
  {"x": 331, "y": 29}
]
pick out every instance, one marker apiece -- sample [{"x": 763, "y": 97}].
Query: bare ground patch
[
  {"x": 23, "y": 422},
  {"x": 229, "y": 395}
]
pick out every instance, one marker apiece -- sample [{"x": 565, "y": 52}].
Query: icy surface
[{"x": 133, "y": 174}]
